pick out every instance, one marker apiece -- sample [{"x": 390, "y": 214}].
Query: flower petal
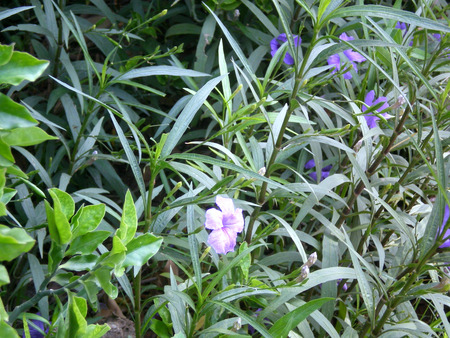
[
  {"x": 234, "y": 221},
  {"x": 222, "y": 240},
  {"x": 354, "y": 56},
  {"x": 371, "y": 120},
  {"x": 225, "y": 204},
  {"x": 310, "y": 164},
  {"x": 368, "y": 100},
  {"x": 313, "y": 175},
  {"x": 213, "y": 219},
  {"x": 345, "y": 37},
  {"x": 336, "y": 61},
  {"x": 288, "y": 59},
  {"x": 384, "y": 106},
  {"x": 274, "y": 45}
]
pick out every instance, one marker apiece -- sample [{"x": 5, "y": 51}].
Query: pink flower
[
  {"x": 352, "y": 56},
  {"x": 225, "y": 224}
]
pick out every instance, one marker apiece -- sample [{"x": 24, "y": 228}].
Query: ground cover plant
[{"x": 224, "y": 168}]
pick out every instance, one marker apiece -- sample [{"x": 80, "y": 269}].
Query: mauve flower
[
  {"x": 437, "y": 36},
  {"x": 276, "y": 43},
  {"x": 369, "y": 101},
  {"x": 446, "y": 244},
  {"x": 401, "y": 25},
  {"x": 325, "y": 170},
  {"x": 225, "y": 225},
  {"x": 35, "y": 333},
  {"x": 352, "y": 56},
  {"x": 344, "y": 287}
]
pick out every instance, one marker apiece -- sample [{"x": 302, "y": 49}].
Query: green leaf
[
  {"x": 7, "y": 331},
  {"x": 66, "y": 201},
  {"x": 76, "y": 315},
  {"x": 7, "y": 13},
  {"x": 160, "y": 70},
  {"x": 104, "y": 278},
  {"x": 88, "y": 220},
  {"x": 26, "y": 136},
  {"x": 141, "y": 249},
  {"x": 97, "y": 331},
  {"x": 58, "y": 225},
  {"x": 87, "y": 243},
  {"x": 5, "y": 53},
  {"x": 14, "y": 242},
  {"x": 4, "y": 277},
  {"x": 246, "y": 262},
  {"x": 128, "y": 222},
  {"x": 187, "y": 115},
  {"x": 55, "y": 256},
  {"x": 22, "y": 66},
  {"x": 387, "y": 13},
  {"x": 14, "y": 115},
  {"x": 80, "y": 263},
  {"x": 5, "y": 152},
  {"x": 290, "y": 320}
]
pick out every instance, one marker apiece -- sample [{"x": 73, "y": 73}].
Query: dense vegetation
[{"x": 224, "y": 168}]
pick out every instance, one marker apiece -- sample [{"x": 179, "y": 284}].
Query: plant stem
[
  {"x": 279, "y": 140},
  {"x": 138, "y": 278},
  {"x": 372, "y": 169}
]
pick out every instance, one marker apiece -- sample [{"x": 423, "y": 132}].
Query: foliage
[{"x": 323, "y": 124}]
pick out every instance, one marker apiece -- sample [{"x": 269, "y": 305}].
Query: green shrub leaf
[
  {"x": 22, "y": 66},
  {"x": 14, "y": 242}
]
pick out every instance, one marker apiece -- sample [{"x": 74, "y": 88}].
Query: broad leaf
[
  {"x": 26, "y": 136},
  {"x": 14, "y": 115},
  {"x": 88, "y": 220},
  {"x": 141, "y": 249},
  {"x": 13, "y": 242},
  {"x": 87, "y": 243},
  {"x": 22, "y": 66},
  {"x": 128, "y": 222}
]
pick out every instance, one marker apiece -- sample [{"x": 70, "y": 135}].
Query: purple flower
[
  {"x": 446, "y": 244},
  {"x": 35, "y": 333},
  {"x": 344, "y": 287},
  {"x": 437, "y": 36},
  {"x": 401, "y": 25},
  {"x": 225, "y": 225},
  {"x": 370, "y": 118},
  {"x": 325, "y": 170},
  {"x": 352, "y": 56},
  {"x": 276, "y": 43}
]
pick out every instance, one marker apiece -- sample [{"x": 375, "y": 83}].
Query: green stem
[
  {"x": 138, "y": 278},
  {"x": 279, "y": 140},
  {"x": 372, "y": 169}
]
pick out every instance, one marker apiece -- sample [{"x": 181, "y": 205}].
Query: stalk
[
  {"x": 138, "y": 279},
  {"x": 279, "y": 141},
  {"x": 360, "y": 187}
]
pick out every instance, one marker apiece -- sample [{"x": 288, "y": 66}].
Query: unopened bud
[
  {"x": 237, "y": 324},
  {"x": 311, "y": 259},
  {"x": 304, "y": 273},
  {"x": 262, "y": 171}
]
